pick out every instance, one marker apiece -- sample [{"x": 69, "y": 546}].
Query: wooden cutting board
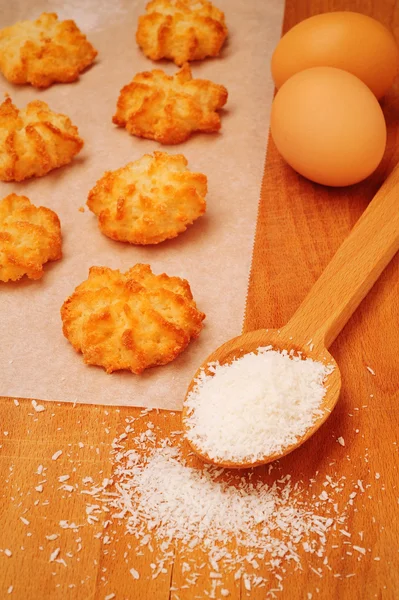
[{"x": 300, "y": 225}]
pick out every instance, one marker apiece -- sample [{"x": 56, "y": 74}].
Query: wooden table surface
[{"x": 300, "y": 226}]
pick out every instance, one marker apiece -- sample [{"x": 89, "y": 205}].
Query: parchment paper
[{"x": 214, "y": 255}]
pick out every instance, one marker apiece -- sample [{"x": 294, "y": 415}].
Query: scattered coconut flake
[
  {"x": 247, "y": 583},
  {"x": 156, "y": 492},
  {"x": 38, "y": 407},
  {"x": 341, "y": 441},
  {"x": 345, "y": 532},
  {"x": 61, "y": 561},
  {"x": 64, "y": 524},
  {"x": 370, "y": 370},
  {"x": 135, "y": 574},
  {"x": 359, "y": 549},
  {"x": 24, "y": 521},
  {"x": 110, "y": 596},
  {"x": 39, "y": 488},
  {"x": 160, "y": 496},
  {"x": 54, "y": 554},
  {"x": 16, "y": 404},
  {"x": 56, "y": 455},
  {"x": 10, "y": 589},
  {"x": 7, "y": 552},
  {"x": 67, "y": 488},
  {"x": 311, "y": 345}
]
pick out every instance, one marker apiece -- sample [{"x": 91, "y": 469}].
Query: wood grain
[
  {"x": 300, "y": 226},
  {"x": 356, "y": 266}
]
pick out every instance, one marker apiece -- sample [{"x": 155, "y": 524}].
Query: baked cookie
[
  {"x": 44, "y": 51},
  {"x": 34, "y": 141},
  {"x": 29, "y": 237},
  {"x": 169, "y": 108},
  {"x": 149, "y": 200},
  {"x": 181, "y": 30},
  {"x": 131, "y": 320}
]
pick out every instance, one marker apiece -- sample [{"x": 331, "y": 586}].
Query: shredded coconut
[
  {"x": 164, "y": 501},
  {"x": 256, "y": 406},
  {"x": 54, "y": 554},
  {"x": 135, "y": 574},
  {"x": 38, "y": 407},
  {"x": 157, "y": 492}
]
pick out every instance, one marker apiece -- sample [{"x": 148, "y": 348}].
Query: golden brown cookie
[
  {"x": 34, "y": 141},
  {"x": 44, "y": 51},
  {"x": 149, "y": 200},
  {"x": 169, "y": 108},
  {"x": 29, "y": 237},
  {"x": 181, "y": 30},
  {"x": 131, "y": 320}
]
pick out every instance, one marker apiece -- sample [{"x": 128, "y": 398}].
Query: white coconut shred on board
[
  {"x": 160, "y": 501},
  {"x": 255, "y": 406},
  {"x": 163, "y": 496}
]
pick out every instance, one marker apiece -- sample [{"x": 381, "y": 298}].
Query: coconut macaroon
[
  {"x": 44, "y": 51},
  {"x": 181, "y": 30},
  {"x": 169, "y": 108},
  {"x": 149, "y": 200},
  {"x": 29, "y": 237},
  {"x": 34, "y": 141},
  {"x": 131, "y": 320}
]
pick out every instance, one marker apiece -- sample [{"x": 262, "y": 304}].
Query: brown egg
[
  {"x": 345, "y": 40},
  {"x": 328, "y": 126}
]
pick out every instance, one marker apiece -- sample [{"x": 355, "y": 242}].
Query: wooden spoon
[{"x": 353, "y": 270}]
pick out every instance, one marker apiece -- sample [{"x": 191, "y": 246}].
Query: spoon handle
[{"x": 352, "y": 272}]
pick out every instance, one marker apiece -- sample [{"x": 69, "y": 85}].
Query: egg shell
[
  {"x": 345, "y": 40},
  {"x": 328, "y": 126}
]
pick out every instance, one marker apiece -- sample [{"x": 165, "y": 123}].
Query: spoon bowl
[
  {"x": 278, "y": 339},
  {"x": 354, "y": 269}
]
